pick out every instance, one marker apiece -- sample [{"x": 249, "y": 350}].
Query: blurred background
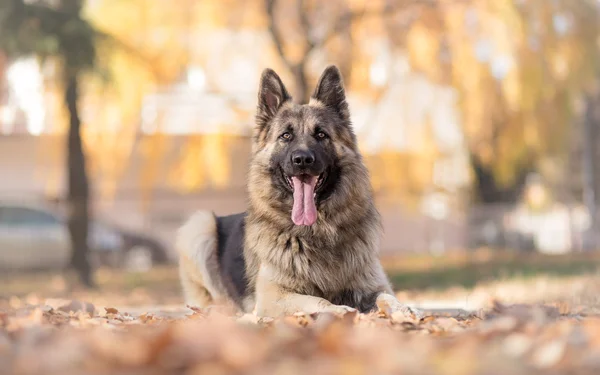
[{"x": 119, "y": 118}]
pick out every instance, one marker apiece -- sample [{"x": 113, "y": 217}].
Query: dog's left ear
[{"x": 330, "y": 91}]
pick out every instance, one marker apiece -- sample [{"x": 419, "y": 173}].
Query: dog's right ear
[{"x": 272, "y": 94}]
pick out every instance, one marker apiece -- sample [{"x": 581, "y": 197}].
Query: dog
[{"x": 310, "y": 237}]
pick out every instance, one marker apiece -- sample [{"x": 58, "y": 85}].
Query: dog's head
[{"x": 303, "y": 148}]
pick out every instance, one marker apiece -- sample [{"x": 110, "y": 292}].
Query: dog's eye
[
  {"x": 321, "y": 135},
  {"x": 286, "y": 136}
]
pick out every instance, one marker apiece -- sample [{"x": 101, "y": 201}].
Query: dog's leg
[
  {"x": 387, "y": 302},
  {"x": 194, "y": 292},
  {"x": 198, "y": 261},
  {"x": 272, "y": 300}
]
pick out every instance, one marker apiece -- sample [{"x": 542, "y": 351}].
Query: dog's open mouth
[
  {"x": 305, "y": 188},
  {"x": 318, "y": 186}
]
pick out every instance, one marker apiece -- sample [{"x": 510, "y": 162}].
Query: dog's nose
[{"x": 303, "y": 158}]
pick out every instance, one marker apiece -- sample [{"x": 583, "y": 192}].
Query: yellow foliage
[
  {"x": 203, "y": 161},
  {"x": 152, "y": 148},
  {"x": 511, "y": 68},
  {"x": 424, "y": 46}
]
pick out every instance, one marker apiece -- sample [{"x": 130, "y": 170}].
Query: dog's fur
[{"x": 260, "y": 259}]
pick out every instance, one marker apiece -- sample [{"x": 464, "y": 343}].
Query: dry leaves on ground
[{"x": 70, "y": 337}]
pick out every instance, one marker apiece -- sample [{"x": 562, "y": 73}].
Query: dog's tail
[{"x": 197, "y": 243}]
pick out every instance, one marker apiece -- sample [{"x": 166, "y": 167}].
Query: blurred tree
[
  {"x": 58, "y": 31},
  {"x": 153, "y": 56},
  {"x": 3, "y": 67},
  {"x": 520, "y": 68},
  {"x": 296, "y": 46},
  {"x": 175, "y": 39},
  {"x": 589, "y": 138},
  {"x": 314, "y": 28},
  {"x": 137, "y": 65},
  {"x": 517, "y": 66},
  {"x": 307, "y": 34}
]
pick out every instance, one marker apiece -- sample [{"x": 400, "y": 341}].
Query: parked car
[
  {"x": 36, "y": 237},
  {"x": 131, "y": 249}
]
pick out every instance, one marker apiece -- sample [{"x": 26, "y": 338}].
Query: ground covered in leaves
[
  {"x": 73, "y": 337},
  {"x": 499, "y": 315}
]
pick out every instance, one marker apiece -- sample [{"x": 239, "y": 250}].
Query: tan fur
[
  {"x": 291, "y": 267},
  {"x": 351, "y": 265}
]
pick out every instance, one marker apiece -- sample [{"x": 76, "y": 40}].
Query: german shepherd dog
[{"x": 309, "y": 239}]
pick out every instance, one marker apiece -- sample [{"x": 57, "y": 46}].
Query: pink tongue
[{"x": 304, "y": 211}]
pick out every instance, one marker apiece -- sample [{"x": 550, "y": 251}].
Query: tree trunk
[
  {"x": 487, "y": 188},
  {"x": 302, "y": 95},
  {"x": 78, "y": 198},
  {"x": 3, "y": 66},
  {"x": 589, "y": 178}
]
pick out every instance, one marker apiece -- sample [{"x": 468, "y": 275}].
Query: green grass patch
[{"x": 443, "y": 274}]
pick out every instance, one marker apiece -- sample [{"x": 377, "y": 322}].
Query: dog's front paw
[
  {"x": 338, "y": 309},
  {"x": 391, "y": 307},
  {"x": 407, "y": 312}
]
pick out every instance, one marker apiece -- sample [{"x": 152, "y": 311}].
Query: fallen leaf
[{"x": 111, "y": 310}]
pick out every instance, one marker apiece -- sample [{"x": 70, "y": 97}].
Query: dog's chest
[{"x": 314, "y": 267}]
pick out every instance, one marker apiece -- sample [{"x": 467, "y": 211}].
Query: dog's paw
[
  {"x": 404, "y": 311},
  {"x": 391, "y": 307},
  {"x": 339, "y": 309}
]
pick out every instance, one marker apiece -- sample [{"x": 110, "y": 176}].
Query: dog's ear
[
  {"x": 330, "y": 91},
  {"x": 271, "y": 96}
]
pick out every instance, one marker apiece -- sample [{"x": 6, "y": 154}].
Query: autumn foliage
[
  {"x": 519, "y": 71},
  {"x": 73, "y": 338}
]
